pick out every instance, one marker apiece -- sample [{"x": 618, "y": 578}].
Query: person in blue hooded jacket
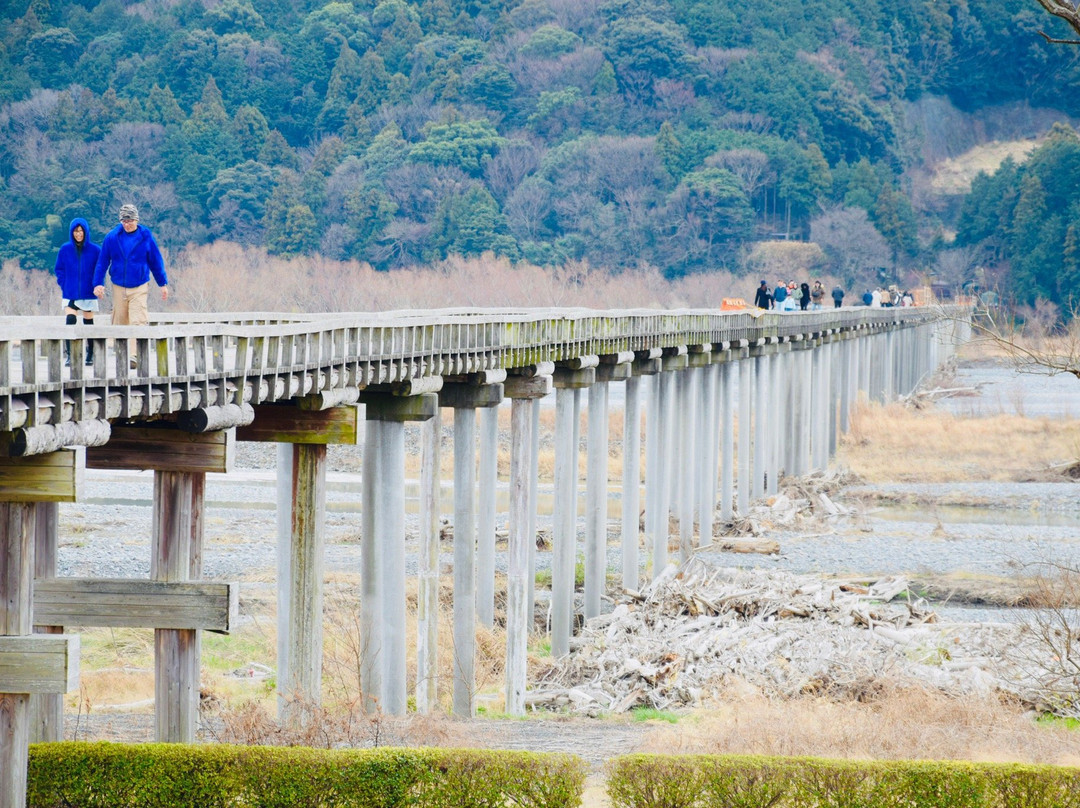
[
  {"x": 75, "y": 265},
  {"x": 130, "y": 255}
]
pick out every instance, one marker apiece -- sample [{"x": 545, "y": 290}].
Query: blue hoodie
[
  {"x": 129, "y": 258},
  {"x": 75, "y": 265}
]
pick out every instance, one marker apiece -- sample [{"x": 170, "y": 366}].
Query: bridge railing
[{"x": 362, "y": 349}]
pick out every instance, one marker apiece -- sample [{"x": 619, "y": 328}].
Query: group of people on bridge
[
  {"x": 795, "y": 297},
  {"x": 129, "y": 255}
]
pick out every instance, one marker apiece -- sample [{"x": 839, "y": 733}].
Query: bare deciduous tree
[{"x": 1064, "y": 10}]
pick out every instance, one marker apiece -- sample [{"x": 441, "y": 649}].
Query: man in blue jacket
[
  {"x": 130, "y": 255},
  {"x": 75, "y": 265}
]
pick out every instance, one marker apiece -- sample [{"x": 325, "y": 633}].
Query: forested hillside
[{"x": 668, "y": 133}]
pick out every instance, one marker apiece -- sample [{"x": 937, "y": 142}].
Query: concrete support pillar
[
  {"x": 390, "y": 537},
  {"x": 46, "y": 709},
  {"x": 806, "y": 406},
  {"x": 791, "y": 407},
  {"x": 727, "y": 440},
  {"x": 465, "y": 399},
  {"x": 518, "y": 619},
  {"x": 762, "y": 425},
  {"x": 371, "y": 566},
  {"x": 177, "y": 541},
  {"x": 890, "y": 366},
  {"x": 17, "y": 528},
  {"x": 689, "y": 446},
  {"x": 534, "y": 499},
  {"x": 778, "y": 428},
  {"x": 819, "y": 415},
  {"x": 851, "y": 381},
  {"x": 866, "y": 362},
  {"x": 284, "y": 570},
  {"x": 427, "y": 599},
  {"x": 596, "y": 485},
  {"x": 832, "y": 354},
  {"x": 631, "y": 476},
  {"x": 709, "y": 430},
  {"x": 746, "y": 381},
  {"x": 487, "y": 485},
  {"x": 668, "y": 445},
  {"x": 524, "y": 392},
  {"x": 564, "y": 551},
  {"x": 464, "y": 560},
  {"x": 653, "y": 470}
]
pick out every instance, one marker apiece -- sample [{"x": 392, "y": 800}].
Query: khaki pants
[
  {"x": 129, "y": 305},
  {"x": 129, "y": 308}
]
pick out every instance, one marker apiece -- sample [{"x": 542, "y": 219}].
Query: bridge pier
[
  {"x": 487, "y": 486},
  {"x": 524, "y": 391},
  {"x": 746, "y": 383},
  {"x": 383, "y": 606},
  {"x": 631, "y": 481},
  {"x": 653, "y": 461},
  {"x": 305, "y": 431},
  {"x": 465, "y": 399},
  {"x": 689, "y": 440},
  {"x": 569, "y": 383},
  {"x": 727, "y": 440},
  {"x": 427, "y": 599},
  {"x": 596, "y": 491}
]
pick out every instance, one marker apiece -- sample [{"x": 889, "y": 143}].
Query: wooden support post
[
  {"x": 177, "y": 556},
  {"x": 17, "y": 526},
  {"x": 47, "y": 709},
  {"x": 31, "y": 665},
  {"x": 303, "y": 687}
]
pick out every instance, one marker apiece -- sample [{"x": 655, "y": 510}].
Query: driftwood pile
[
  {"x": 803, "y": 503},
  {"x": 695, "y": 630}
]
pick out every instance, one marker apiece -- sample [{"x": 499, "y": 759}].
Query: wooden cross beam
[
  {"x": 39, "y": 663},
  {"x": 136, "y": 603}
]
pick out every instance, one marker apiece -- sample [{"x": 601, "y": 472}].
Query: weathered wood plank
[
  {"x": 39, "y": 663},
  {"x": 132, "y": 603},
  {"x": 285, "y": 424},
  {"x": 52, "y": 477},
  {"x": 164, "y": 450}
]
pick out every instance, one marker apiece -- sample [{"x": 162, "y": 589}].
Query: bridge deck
[{"x": 187, "y": 362}]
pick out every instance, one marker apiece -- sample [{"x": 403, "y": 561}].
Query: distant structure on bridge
[{"x": 717, "y": 390}]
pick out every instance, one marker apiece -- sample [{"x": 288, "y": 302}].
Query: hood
[{"x": 71, "y": 230}]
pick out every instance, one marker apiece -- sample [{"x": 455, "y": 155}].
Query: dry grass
[
  {"x": 904, "y": 723},
  {"x": 898, "y": 444}
]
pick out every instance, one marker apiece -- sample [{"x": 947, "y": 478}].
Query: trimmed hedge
[
  {"x": 107, "y": 775},
  {"x": 711, "y": 781}
]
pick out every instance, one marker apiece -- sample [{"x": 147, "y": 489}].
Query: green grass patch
[
  {"x": 652, "y": 714},
  {"x": 1056, "y": 721}
]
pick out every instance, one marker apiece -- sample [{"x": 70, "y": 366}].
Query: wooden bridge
[{"x": 176, "y": 395}]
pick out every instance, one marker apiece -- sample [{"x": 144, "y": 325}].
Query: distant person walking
[
  {"x": 804, "y": 295},
  {"x": 762, "y": 298},
  {"x": 779, "y": 295},
  {"x": 129, "y": 254},
  {"x": 817, "y": 295},
  {"x": 837, "y": 297},
  {"x": 867, "y": 298},
  {"x": 75, "y": 264}
]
